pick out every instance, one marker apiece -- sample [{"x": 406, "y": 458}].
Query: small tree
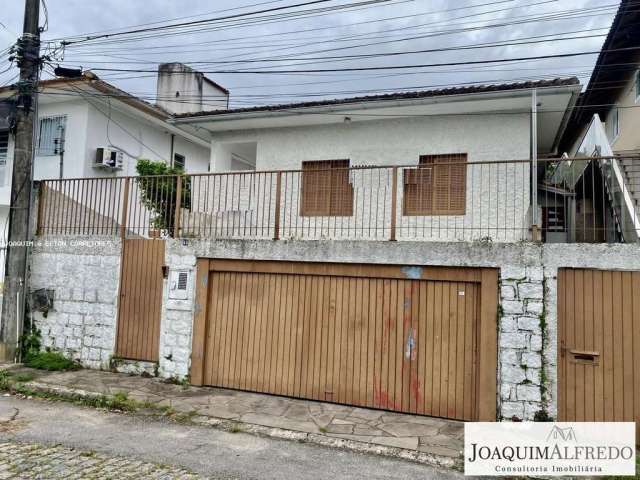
[{"x": 157, "y": 183}]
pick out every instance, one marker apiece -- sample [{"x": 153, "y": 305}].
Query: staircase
[{"x": 631, "y": 169}]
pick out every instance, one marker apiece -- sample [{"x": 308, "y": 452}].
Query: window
[
  {"x": 179, "y": 161},
  {"x": 614, "y": 123},
  {"x": 437, "y": 187},
  {"x": 51, "y": 135},
  {"x": 4, "y": 152},
  {"x": 326, "y": 189}
]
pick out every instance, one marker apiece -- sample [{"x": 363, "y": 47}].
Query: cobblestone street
[{"x": 34, "y": 461}]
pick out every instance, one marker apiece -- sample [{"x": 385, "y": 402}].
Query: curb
[{"x": 434, "y": 460}]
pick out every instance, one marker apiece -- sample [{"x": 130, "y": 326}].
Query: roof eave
[{"x": 369, "y": 104}]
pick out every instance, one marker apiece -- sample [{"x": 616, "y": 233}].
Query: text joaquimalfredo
[{"x": 511, "y": 449}]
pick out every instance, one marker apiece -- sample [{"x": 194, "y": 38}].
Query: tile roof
[{"x": 395, "y": 96}]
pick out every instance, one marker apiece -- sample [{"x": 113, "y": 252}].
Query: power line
[
  {"x": 388, "y": 67},
  {"x": 210, "y": 20}
]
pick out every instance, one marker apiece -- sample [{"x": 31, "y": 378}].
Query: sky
[{"x": 333, "y": 35}]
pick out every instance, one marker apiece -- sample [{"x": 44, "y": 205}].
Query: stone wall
[
  {"x": 521, "y": 341},
  {"x": 177, "y": 317},
  {"x": 83, "y": 321},
  {"x": 84, "y": 273}
]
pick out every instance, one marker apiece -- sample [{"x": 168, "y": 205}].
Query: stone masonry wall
[
  {"x": 84, "y": 274},
  {"x": 177, "y": 318},
  {"x": 85, "y": 278},
  {"x": 521, "y": 341}
]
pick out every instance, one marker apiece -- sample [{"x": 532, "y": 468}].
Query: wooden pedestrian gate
[
  {"x": 599, "y": 346},
  {"x": 409, "y": 339},
  {"x": 138, "y": 332}
]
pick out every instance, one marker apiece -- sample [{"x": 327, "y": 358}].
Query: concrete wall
[
  {"x": 83, "y": 321},
  {"x": 496, "y": 196},
  {"x": 89, "y": 127},
  {"x": 76, "y": 131},
  {"x": 629, "y": 119},
  {"x": 183, "y": 90},
  {"x": 138, "y": 140}
]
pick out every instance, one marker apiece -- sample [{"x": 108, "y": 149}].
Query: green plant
[
  {"x": 50, "y": 360},
  {"x": 157, "y": 183},
  {"x": 542, "y": 416},
  {"x": 5, "y": 380},
  {"x": 23, "y": 377},
  {"x": 30, "y": 342}
]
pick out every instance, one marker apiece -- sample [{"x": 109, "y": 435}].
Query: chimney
[{"x": 181, "y": 89}]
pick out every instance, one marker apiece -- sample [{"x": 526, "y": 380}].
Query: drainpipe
[
  {"x": 173, "y": 141},
  {"x": 534, "y": 165}
]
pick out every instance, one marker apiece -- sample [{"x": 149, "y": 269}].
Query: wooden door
[
  {"x": 138, "y": 333},
  {"x": 598, "y": 346},
  {"x": 360, "y": 335}
]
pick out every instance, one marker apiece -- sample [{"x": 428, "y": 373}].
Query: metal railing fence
[{"x": 454, "y": 201}]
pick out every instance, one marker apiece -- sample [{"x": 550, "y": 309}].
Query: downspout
[
  {"x": 534, "y": 166},
  {"x": 173, "y": 141}
]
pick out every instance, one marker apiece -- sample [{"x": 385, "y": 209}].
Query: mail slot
[{"x": 585, "y": 358}]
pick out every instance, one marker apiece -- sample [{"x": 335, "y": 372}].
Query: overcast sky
[{"x": 396, "y": 26}]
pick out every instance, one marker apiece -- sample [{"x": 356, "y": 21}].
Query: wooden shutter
[
  {"x": 326, "y": 189},
  {"x": 437, "y": 187}
]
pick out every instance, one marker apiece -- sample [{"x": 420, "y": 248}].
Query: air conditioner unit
[{"x": 109, "y": 159}]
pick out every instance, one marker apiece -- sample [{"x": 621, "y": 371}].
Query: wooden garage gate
[
  {"x": 599, "y": 346},
  {"x": 409, "y": 339}
]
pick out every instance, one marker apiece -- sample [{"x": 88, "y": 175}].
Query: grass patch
[
  {"x": 51, "y": 361},
  {"x": 23, "y": 377}
]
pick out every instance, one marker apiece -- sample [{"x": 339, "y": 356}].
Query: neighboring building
[
  {"x": 89, "y": 128},
  {"x": 606, "y": 122},
  {"x": 183, "y": 90},
  {"x": 613, "y": 91}
]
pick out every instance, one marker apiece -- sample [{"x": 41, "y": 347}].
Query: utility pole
[{"x": 28, "y": 58}]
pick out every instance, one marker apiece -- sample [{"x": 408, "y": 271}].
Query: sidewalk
[{"x": 423, "y": 439}]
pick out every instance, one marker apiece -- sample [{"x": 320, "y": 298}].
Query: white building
[
  {"x": 416, "y": 132},
  {"x": 82, "y": 121}
]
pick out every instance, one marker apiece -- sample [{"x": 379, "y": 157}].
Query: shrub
[
  {"x": 157, "y": 183},
  {"x": 52, "y": 361}
]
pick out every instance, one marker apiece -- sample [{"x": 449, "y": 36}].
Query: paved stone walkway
[
  {"x": 442, "y": 439},
  {"x": 33, "y": 461}
]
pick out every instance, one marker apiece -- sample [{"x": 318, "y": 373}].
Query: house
[
  {"x": 382, "y": 251},
  {"x": 90, "y": 128},
  {"x": 605, "y": 123},
  {"x": 341, "y": 154}
]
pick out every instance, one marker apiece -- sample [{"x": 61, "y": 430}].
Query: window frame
[
  {"x": 339, "y": 184},
  {"x": 52, "y": 150},
  {"x": 615, "y": 123},
  {"x": 184, "y": 160},
  {"x": 424, "y": 200}
]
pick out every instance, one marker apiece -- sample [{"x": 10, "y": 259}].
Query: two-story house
[{"x": 90, "y": 128}]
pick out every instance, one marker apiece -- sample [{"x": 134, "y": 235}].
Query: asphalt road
[{"x": 206, "y": 451}]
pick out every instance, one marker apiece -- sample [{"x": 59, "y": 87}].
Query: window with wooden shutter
[
  {"x": 437, "y": 187},
  {"x": 326, "y": 189}
]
